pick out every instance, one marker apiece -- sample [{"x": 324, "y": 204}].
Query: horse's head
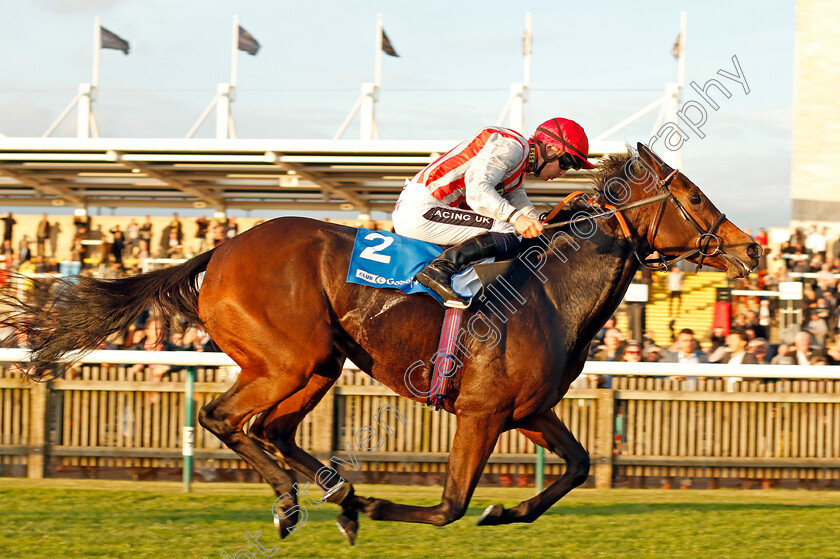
[{"x": 685, "y": 223}]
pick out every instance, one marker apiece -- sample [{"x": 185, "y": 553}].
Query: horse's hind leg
[
  {"x": 474, "y": 441},
  {"x": 547, "y": 431},
  {"x": 275, "y": 431},
  {"x": 253, "y": 392}
]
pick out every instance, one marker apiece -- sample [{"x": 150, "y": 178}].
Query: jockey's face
[{"x": 551, "y": 170}]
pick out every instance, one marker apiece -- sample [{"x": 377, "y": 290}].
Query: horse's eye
[{"x": 695, "y": 199}]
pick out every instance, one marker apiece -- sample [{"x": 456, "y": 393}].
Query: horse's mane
[{"x": 614, "y": 165}]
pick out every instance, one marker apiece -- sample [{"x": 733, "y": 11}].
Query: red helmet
[{"x": 567, "y": 136}]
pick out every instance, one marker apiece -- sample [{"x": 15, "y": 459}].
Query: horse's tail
[{"x": 58, "y": 315}]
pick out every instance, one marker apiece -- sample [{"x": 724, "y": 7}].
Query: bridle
[{"x": 701, "y": 244}]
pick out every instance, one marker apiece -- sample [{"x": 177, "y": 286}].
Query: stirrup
[{"x": 457, "y": 303}]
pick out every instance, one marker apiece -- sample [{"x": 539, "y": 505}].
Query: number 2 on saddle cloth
[{"x": 387, "y": 260}]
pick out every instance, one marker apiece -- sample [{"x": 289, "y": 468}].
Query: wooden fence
[{"x": 123, "y": 417}]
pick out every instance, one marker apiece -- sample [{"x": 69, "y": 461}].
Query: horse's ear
[{"x": 653, "y": 160}]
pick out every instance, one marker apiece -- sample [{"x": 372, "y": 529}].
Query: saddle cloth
[{"x": 384, "y": 259}]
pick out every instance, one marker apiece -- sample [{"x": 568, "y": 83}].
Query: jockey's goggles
[{"x": 569, "y": 161}]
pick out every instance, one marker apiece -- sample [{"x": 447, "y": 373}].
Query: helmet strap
[{"x": 545, "y": 157}]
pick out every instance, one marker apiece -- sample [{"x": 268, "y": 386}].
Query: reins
[{"x": 702, "y": 243}]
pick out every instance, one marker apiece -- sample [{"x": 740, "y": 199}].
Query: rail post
[
  {"x": 188, "y": 439},
  {"x": 539, "y": 478},
  {"x": 37, "y": 437},
  {"x": 604, "y": 439}
]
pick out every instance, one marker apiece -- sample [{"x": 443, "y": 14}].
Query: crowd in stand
[{"x": 122, "y": 248}]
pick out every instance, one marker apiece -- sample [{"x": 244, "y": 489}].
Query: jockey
[{"x": 473, "y": 197}]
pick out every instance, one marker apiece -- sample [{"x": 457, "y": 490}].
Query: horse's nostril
[{"x": 754, "y": 250}]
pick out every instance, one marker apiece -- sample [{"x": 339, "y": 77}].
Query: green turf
[{"x": 89, "y": 518}]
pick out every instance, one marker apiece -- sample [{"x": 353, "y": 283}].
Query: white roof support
[
  {"x": 344, "y": 194},
  {"x": 202, "y": 195},
  {"x": 61, "y": 193}
]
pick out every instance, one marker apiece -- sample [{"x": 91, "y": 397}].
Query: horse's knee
[
  {"x": 578, "y": 468},
  {"x": 448, "y": 513}
]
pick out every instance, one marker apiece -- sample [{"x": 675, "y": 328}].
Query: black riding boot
[{"x": 437, "y": 275}]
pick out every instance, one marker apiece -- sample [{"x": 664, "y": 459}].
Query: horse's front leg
[
  {"x": 474, "y": 441},
  {"x": 547, "y": 431}
]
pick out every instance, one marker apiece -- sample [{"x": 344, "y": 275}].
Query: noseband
[{"x": 701, "y": 244}]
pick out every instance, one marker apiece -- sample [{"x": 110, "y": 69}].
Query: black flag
[
  {"x": 675, "y": 51},
  {"x": 112, "y": 41},
  {"x": 387, "y": 47},
  {"x": 247, "y": 42}
]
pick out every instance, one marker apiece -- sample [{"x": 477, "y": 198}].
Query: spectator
[
  {"x": 674, "y": 285},
  {"x": 653, "y": 354},
  {"x": 151, "y": 341},
  {"x": 175, "y": 225},
  {"x": 117, "y": 246},
  {"x": 55, "y": 231},
  {"x": 218, "y": 232},
  {"x": 8, "y": 226},
  {"x": 42, "y": 233},
  {"x": 174, "y": 249},
  {"x": 737, "y": 354},
  {"x": 132, "y": 237},
  {"x": 718, "y": 339},
  {"x": 816, "y": 325},
  {"x": 802, "y": 348},
  {"x": 232, "y": 228},
  {"x": 816, "y": 242},
  {"x": 833, "y": 352},
  {"x": 146, "y": 232},
  {"x": 761, "y": 237},
  {"x": 612, "y": 348},
  {"x": 685, "y": 349},
  {"x": 201, "y": 229},
  {"x": 25, "y": 252},
  {"x": 826, "y": 282},
  {"x": 753, "y": 323},
  {"x": 760, "y": 349},
  {"x": 599, "y": 337},
  {"x": 8, "y": 252},
  {"x": 143, "y": 256},
  {"x": 632, "y": 352},
  {"x": 784, "y": 355}
]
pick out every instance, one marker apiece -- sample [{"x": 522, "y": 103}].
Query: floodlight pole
[
  {"x": 672, "y": 92},
  {"x": 97, "y": 46},
  {"x": 514, "y": 110},
  {"x": 365, "y": 104}
]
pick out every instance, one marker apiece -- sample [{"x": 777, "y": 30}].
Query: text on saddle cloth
[{"x": 384, "y": 259}]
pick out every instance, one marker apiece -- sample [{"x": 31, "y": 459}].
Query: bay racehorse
[{"x": 275, "y": 300}]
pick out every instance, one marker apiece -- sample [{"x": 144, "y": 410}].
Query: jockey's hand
[{"x": 528, "y": 227}]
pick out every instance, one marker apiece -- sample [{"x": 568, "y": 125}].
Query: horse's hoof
[
  {"x": 285, "y": 526},
  {"x": 491, "y": 515},
  {"x": 348, "y": 528}
]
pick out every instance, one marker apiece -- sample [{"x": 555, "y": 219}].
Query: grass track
[{"x": 113, "y": 519}]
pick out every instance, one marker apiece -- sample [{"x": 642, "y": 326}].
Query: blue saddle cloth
[{"x": 383, "y": 259}]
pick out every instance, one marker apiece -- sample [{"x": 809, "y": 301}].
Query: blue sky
[{"x": 594, "y": 62}]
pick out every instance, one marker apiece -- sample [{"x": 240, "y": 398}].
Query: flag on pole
[
  {"x": 247, "y": 42},
  {"x": 387, "y": 47},
  {"x": 113, "y": 41},
  {"x": 677, "y": 46}
]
